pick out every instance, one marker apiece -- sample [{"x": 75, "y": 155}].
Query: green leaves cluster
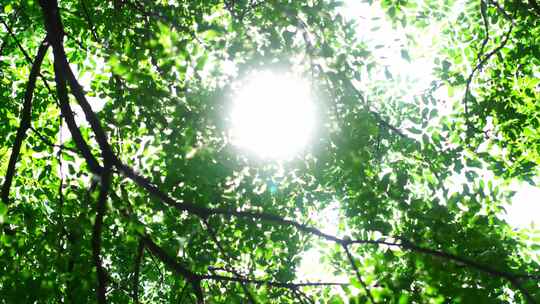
[{"x": 189, "y": 218}]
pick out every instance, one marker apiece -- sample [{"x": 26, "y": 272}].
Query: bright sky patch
[{"x": 273, "y": 115}]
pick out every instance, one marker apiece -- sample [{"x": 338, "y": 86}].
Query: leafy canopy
[{"x": 120, "y": 182}]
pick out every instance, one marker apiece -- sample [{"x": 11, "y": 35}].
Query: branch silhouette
[
  {"x": 63, "y": 74},
  {"x": 26, "y": 117}
]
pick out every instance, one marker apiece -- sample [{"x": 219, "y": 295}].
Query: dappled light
[{"x": 254, "y": 151}]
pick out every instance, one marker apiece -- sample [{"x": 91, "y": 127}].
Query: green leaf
[
  {"x": 405, "y": 55},
  {"x": 8, "y": 8},
  {"x": 3, "y": 213}
]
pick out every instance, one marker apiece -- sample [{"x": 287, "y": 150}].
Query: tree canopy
[{"x": 121, "y": 183}]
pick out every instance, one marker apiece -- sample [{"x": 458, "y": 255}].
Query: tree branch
[
  {"x": 55, "y": 37},
  {"x": 535, "y": 6},
  {"x": 96, "y": 234},
  {"x": 136, "y": 271},
  {"x": 270, "y": 283},
  {"x": 5, "y": 38},
  {"x": 358, "y": 275},
  {"x": 361, "y": 96},
  {"x": 54, "y": 27},
  {"x": 195, "y": 279},
  {"x": 26, "y": 117},
  {"x": 67, "y": 113},
  {"x": 191, "y": 277},
  {"x": 214, "y": 237},
  {"x": 89, "y": 20},
  {"x": 501, "y": 10},
  {"x": 50, "y": 144},
  {"x": 24, "y": 52},
  {"x": 473, "y": 72},
  {"x": 105, "y": 173},
  {"x": 203, "y": 212}
]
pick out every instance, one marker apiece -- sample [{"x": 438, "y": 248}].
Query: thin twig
[
  {"x": 24, "y": 52},
  {"x": 477, "y": 68},
  {"x": 358, "y": 275},
  {"x": 53, "y": 24},
  {"x": 89, "y": 20},
  {"x": 49, "y": 143},
  {"x": 501, "y": 10},
  {"x": 5, "y": 38},
  {"x": 224, "y": 252}
]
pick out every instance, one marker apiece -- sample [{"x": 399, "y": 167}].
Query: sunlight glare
[{"x": 273, "y": 115}]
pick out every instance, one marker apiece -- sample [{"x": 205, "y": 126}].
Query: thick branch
[
  {"x": 203, "y": 212},
  {"x": 96, "y": 235},
  {"x": 136, "y": 271},
  {"x": 94, "y": 167},
  {"x": 26, "y": 117},
  {"x": 270, "y": 283},
  {"x": 55, "y": 32},
  {"x": 67, "y": 113},
  {"x": 191, "y": 277},
  {"x": 54, "y": 28},
  {"x": 55, "y": 36}
]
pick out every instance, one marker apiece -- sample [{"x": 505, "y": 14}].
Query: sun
[{"x": 273, "y": 115}]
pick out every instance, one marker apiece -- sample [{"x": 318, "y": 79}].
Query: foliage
[{"x": 145, "y": 200}]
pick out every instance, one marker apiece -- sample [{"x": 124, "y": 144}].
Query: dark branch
[
  {"x": 203, "y": 212},
  {"x": 61, "y": 67},
  {"x": 270, "y": 283},
  {"x": 96, "y": 235},
  {"x": 51, "y": 144},
  {"x": 192, "y": 278},
  {"x": 5, "y": 38},
  {"x": 479, "y": 66},
  {"x": 54, "y": 29},
  {"x": 55, "y": 36},
  {"x": 501, "y": 10},
  {"x": 24, "y": 52},
  {"x": 136, "y": 271},
  {"x": 224, "y": 252},
  {"x": 67, "y": 113},
  {"x": 26, "y": 117},
  {"x": 483, "y": 13},
  {"x": 380, "y": 120},
  {"x": 89, "y": 20},
  {"x": 535, "y": 6},
  {"x": 358, "y": 275},
  {"x": 12, "y": 34},
  {"x": 158, "y": 17}
]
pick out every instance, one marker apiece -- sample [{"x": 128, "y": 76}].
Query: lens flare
[{"x": 273, "y": 115}]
